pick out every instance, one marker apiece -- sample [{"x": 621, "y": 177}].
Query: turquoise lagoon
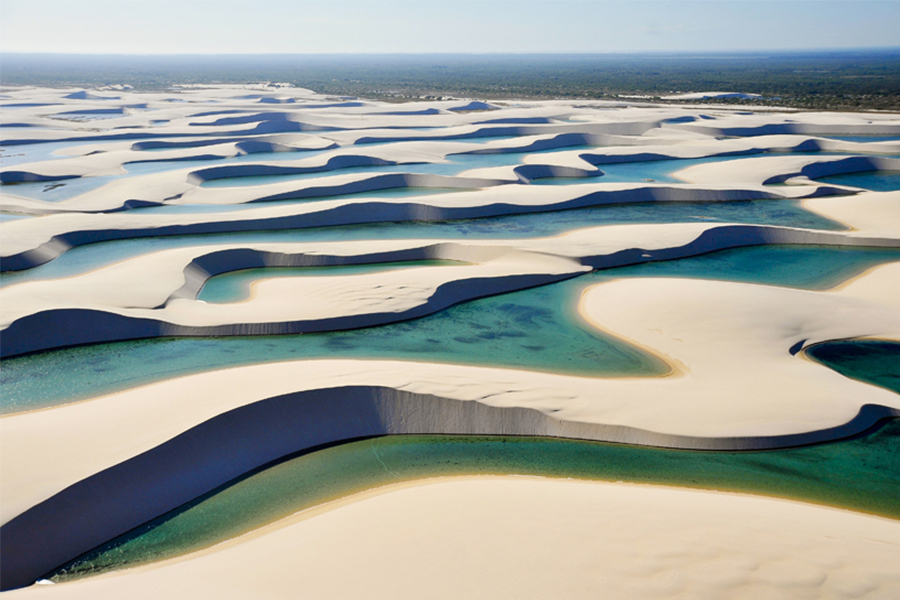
[
  {"x": 876, "y": 181},
  {"x": 871, "y": 360},
  {"x": 537, "y": 329},
  {"x": 11, "y": 217},
  {"x": 65, "y": 189},
  {"x": 455, "y": 164},
  {"x": 661, "y": 171},
  {"x": 30, "y": 153},
  {"x": 81, "y": 259},
  {"x": 860, "y": 474}
]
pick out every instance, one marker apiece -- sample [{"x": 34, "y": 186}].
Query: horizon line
[{"x": 461, "y": 53}]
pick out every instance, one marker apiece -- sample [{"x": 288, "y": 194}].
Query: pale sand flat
[
  {"x": 876, "y": 213},
  {"x": 881, "y": 284},
  {"x": 777, "y": 169},
  {"x": 532, "y": 538}
]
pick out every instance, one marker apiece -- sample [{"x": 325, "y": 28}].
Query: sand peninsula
[{"x": 119, "y": 206}]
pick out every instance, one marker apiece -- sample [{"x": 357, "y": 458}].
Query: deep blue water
[{"x": 876, "y": 181}]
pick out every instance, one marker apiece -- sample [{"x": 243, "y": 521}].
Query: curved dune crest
[
  {"x": 84, "y": 169},
  {"x": 779, "y": 169},
  {"x": 811, "y": 123},
  {"x": 31, "y": 242},
  {"x": 717, "y": 400},
  {"x": 216, "y": 451},
  {"x": 120, "y": 301}
]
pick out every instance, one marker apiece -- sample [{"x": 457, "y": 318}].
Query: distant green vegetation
[{"x": 846, "y": 80}]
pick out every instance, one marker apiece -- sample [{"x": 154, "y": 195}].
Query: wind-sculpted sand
[
  {"x": 155, "y": 295},
  {"x": 32, "y": 242},
  {"x": 738, "y": 377},
  {"x": 573, "y": 540}
]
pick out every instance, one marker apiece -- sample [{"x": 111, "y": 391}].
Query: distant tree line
[{"x": 848, "y": 80}]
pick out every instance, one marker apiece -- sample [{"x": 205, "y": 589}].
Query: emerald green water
[
  {"x": 873, "y": 361},
  {"x": 235, "y": 286},
  {"x": 861, "y": 474},
  {"x": 537, "y": 329}
]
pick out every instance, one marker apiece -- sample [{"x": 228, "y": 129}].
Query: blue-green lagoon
[
  {"x": 876, "y": 181},
  {"x": 536, "y": 329},
  {"x": 860, "y": 474},
  {"x": 871, "y": 360},
  {"x": 789, "y": 213}
]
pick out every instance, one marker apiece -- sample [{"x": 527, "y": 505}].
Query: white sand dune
[
  {"x": 155, "y": 295},
  {"x": 76, "y": 475},
  {"x": 768, "y": 170},
  {"x": 31, "y": 242},
  {"x": 736, "y": 385},
  {"x": 531, "y": 538},
  {"x": 802, "y": 123}
]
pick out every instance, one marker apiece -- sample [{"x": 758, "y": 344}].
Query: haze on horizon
[{"x": 422, "y": 26}]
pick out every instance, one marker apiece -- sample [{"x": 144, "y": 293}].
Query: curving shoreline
[
  {"x": 33, "y": 242},
  {"x": 741, "y": 378},
  {"x": 324, "y": 479},
  {"x": 234, "y": 442},
  {"x": 31, "y": 324},
  {"x": 366, "y": 411},
  {"x": 636, "y": 517}
]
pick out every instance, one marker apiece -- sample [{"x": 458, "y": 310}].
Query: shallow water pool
[
  {"x": 537, "y": 329},
  {"x": 859, "y": 474}
]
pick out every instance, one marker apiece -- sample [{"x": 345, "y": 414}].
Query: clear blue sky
[{"x": 428, "y": 26}]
